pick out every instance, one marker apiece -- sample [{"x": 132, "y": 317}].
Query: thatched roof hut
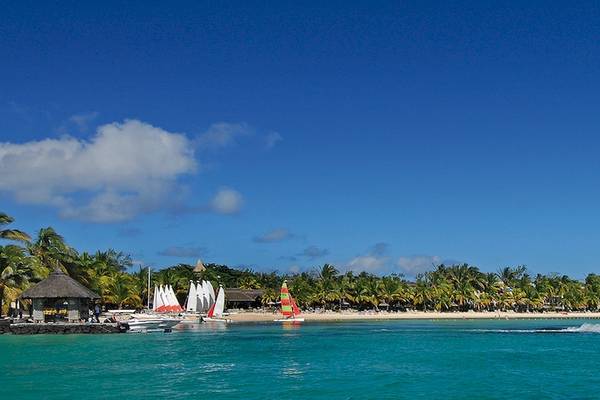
[
  {"x": 199, "y": 267},
  {"x": 59, "y": 285},
  {"x": 59, "y": 297}
]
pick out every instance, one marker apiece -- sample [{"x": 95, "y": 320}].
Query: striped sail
[
  {"x": 286, "y": 304},
  {"x": 295, "y": 308}
]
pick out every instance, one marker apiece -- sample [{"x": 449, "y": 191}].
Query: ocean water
[{"x": 542, "y": 359}]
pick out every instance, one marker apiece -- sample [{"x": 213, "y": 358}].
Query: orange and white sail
[{"x": 165, "y": 300}]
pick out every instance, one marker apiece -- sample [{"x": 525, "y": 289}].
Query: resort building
[
  {"x": 60, "y": 298},
  {"x": 243, "y": 298}
]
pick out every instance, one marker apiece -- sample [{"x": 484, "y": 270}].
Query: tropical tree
[{"x": 11, "y": 234}]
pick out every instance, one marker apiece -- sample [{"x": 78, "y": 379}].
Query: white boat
[
  {"x": 215, "y": 314},
  {"x": 149, "y": 322},
  {"x": 289, "y": 309},
  {"x": 152, "y": 325}
]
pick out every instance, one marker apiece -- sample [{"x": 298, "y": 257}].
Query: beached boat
[
  {"x": 215, "y": 314},
  {"x": 289, "y": 309}
]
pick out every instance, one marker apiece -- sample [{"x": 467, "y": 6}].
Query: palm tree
[
  {"x": 16, "y": 272},
  {"x": 50, "y": 249},
  {"x": 122, "y": 291},
  {"x": 11, "y": 234}
]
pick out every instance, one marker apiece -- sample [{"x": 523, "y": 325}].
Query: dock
[{"x": 7, "y": 327}]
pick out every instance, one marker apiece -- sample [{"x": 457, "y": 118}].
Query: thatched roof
[
  {"x": 59, "y": 285},
  {"x": 243, "y": 295},
  {"x": 199, "y": 266}
]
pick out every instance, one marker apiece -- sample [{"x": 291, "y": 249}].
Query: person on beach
[{"x": 97, "y": 312}]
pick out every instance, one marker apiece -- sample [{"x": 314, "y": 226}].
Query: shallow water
[{"x": 540, "y": 359}]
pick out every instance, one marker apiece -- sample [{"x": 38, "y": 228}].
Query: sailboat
[
  {"x": 191, "y": 304},
  {"x": 215, "y": 313},
  {"x": 164, "y": 301},
  {"x": 289, "y": 309}
]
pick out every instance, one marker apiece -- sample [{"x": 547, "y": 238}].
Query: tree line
[{"x": 25, "y": 261}]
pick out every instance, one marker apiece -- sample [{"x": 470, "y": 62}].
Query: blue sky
[{"x": 383, "y": 136}]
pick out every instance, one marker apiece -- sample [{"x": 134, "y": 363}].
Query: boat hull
[
  {"x": 152, "y": 325},
  {"x": 219, "y": 320},
  {"x": 290, "y": 320}
]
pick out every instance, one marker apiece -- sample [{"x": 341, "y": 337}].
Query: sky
[{"x": 377, "y": 136}]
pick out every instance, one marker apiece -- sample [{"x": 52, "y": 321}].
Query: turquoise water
[{"x": 374, "y": 360}]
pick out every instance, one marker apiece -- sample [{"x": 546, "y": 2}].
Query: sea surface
[{"x": 541, "y": 359}]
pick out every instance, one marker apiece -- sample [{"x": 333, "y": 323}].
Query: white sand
[{"x": 411, "y": 315}]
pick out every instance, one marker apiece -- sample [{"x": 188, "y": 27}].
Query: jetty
[{"x": 23, "y": 328}]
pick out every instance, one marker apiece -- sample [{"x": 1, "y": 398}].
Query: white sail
[
  {"x": 211, "y": 293},
  {"x": 205, "y": 298},
  {"x": 163, "y": 296},
  {"x": 219, "y": 303},
  {"x": 173, "y": 298},
  {"x": 156, "y": 302},
  {"x": 192, "y": 300},
  {"x": 200, "y": 299}
]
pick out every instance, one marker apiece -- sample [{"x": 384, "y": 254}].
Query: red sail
[
  {"x": 295, "y": 307},
  {"x": 211, "y": 312}
]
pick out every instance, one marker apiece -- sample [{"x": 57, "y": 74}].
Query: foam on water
[
  {"x": 584, "y": 328},
  {"x": 589, "y": 328}
]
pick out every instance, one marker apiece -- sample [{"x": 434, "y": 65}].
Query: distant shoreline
[{"x": 413, "y": 315}]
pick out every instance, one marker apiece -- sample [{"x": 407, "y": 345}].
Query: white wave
[
  {"x": 584, "y": 328},
  {"x": 591, "y": 328}
]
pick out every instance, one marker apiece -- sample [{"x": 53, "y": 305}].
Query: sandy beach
[{"x": 412, "y": 315}]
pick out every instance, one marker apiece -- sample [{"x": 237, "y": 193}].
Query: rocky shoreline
[{"x": 6, "y": 327}]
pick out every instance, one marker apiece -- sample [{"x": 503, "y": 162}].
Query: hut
[
  {"x": 59, "y": 298},
  {"x": 243, "y": 298},
  {"x": 199, "y": 267}
]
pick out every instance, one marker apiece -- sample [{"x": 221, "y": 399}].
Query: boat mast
[{"x": 148, "y": 287}]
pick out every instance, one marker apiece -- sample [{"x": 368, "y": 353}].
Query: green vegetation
[{"x": 25, "y": 261}]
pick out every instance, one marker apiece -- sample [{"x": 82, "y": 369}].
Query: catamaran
[
  {"x": 215, "y": 313},
  {"x": 289, "y": 309}
]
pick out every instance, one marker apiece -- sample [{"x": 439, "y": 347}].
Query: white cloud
[
  {"x": 271, "y": 139},
  {"x": 368, "y": 263},
  {"x": 221, "y": 135},
  {"x": 373, "y": 261},
  {"x": 123, "y": 170},
  {"x": 415, "y": 265},
  {"x": 276, "y": 235},
  {"x": 82, "y": 120},
  {"x": 226, "y": 201}
]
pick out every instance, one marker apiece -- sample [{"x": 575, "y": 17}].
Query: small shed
[
  {"x": 243, "y": 298},
  {"x": 60, "y": 298}
]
